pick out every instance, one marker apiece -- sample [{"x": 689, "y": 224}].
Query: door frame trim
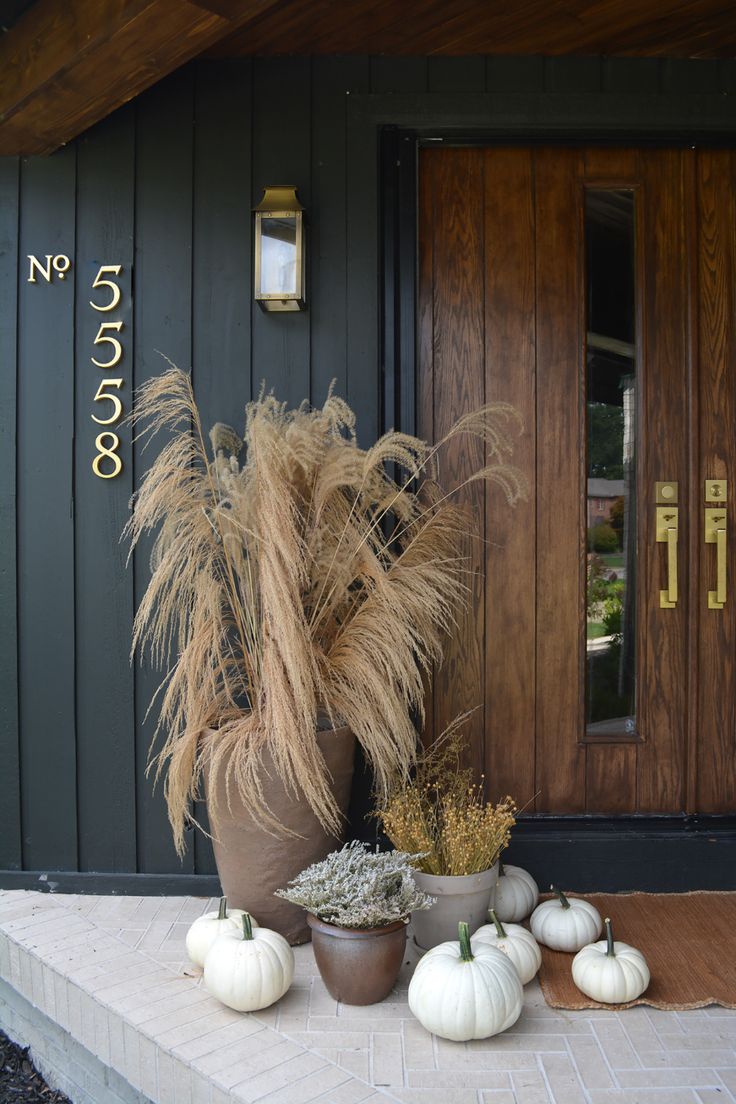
[{"x": 663, "y": 853}]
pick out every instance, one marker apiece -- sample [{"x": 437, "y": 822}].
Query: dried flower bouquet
[
  {"x": 442, "y": 814},
  {"x": 303, "y": 579}
]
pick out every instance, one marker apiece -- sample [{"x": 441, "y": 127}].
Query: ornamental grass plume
[
  {"x": 442, "y": 814},
  {"x": 310, "y": 577},
  {"x": 358, "y": 888}
]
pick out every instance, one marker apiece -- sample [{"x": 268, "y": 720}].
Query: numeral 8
[{"x": 102, "y": 452}]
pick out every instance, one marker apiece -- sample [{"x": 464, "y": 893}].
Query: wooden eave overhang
[{"x": 66, "y": 64}]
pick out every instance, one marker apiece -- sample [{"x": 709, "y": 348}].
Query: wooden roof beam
[{"x": 67, "y": 64}]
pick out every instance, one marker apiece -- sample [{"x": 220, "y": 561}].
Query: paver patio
[{"x": 112, "y": 973}]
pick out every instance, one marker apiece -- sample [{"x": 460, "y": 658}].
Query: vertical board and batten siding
[
  {"x": 162, "y": 324},
  {"x": 165, "y": 187},
  {"x": 10, "y": 822},
  {"x": 105, "y": 684},
  {"x": 45, "y": 520}
]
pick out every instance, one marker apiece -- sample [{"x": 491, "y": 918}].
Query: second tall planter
[
  {"x": 253, "y": 864},
  {"x": 465, "y": 897}
]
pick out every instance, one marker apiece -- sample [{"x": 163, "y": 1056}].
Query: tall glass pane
[{"x": 611, "y": 383}]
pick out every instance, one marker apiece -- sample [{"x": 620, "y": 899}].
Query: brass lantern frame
[{"x": 280, "y": 201}]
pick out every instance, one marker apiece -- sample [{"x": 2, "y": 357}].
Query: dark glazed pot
[
  {"x": 253, "y": 864},
  {"x": 358, "y": 965}
]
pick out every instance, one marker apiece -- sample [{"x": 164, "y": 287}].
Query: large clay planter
[
  {"x": 465, "y": 897},
  {"x": 358, "y": 965},
  {"x": 253, "y": 864}
]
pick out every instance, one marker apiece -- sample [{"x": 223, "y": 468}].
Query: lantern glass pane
[{"x": 279, "y": 256}]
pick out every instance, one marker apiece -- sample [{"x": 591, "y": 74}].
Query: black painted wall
[{"x": 165, "y": 187}]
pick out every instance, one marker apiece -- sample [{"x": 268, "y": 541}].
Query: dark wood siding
[{"x": 165, "y": 187}]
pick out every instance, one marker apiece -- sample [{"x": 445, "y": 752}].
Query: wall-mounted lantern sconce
[{"x": 279, "y": 250}]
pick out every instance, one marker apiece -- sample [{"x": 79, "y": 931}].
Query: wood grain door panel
[
  {"x": 502, "y": 316},
  {"x": 713, "y": 763},
  {"x": 664, "y": 280},
  {"x": 510, "y": 375}
]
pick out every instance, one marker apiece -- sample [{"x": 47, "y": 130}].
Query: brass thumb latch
[
  {"x": 716, "y": 533},
  {"x": 667, "y": 531}
]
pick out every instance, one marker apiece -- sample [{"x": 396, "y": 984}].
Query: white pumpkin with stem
[
  {"x": 565, "y": 924},
  {"x": 516, "y": 894},
  {"x": 249, "y": 969},
  {"x": 205, "y": 930},
  {"x": 461, "y": 993},
  {"x": 609, "y": 972},
  {"x": 515, "y": 942}
]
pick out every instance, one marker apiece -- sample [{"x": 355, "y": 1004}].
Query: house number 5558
[{"x": 107, "y": 463}]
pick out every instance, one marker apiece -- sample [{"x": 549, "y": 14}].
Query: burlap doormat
[{"x": 688, "y": 940}]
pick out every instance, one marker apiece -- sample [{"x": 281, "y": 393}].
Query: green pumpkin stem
[
  {"x": 222, "y": 911},
  {"x": 563, "y": 899},
  {"x": 501, "y": 869},
  {"x": 499, "y": 926},
  {"x": 463, "y": 932},
  {"x": 247, "y": 926},
  {"x": 610, "y": 952}
]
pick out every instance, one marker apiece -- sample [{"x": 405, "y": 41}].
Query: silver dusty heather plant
[{"x": 358, "y": 888}]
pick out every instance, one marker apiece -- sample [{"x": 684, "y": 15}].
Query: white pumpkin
[
  {"x": 205, "y": 930},
  {"x": 516, "y": 894},
  {"x": 249, "y": 969},
  {"x": 461, "y": 993},
  {"x": 565, "y": 924},
  {"x": 515, "y": 942},
  {"x": 610, "y": 972}
]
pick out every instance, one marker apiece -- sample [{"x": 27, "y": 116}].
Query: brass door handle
[
  {"x": 667, "y": 531},
  {"x": 716, "y": 533}
]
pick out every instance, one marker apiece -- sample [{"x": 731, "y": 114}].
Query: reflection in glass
[
  {"x": 611, "y": 370},
  {"x": 278, "y": 259}
]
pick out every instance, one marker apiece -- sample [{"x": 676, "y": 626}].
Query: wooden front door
[{"x": 595, "y": 289}]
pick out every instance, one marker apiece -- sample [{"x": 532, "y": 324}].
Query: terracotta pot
[
  {"x": 358, "y": 965},
  {"x": 253, "y": 864},
  {"x": 459, "y": 897}
]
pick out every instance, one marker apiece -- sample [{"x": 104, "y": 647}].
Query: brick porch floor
[{"x": 112, "y": 976}]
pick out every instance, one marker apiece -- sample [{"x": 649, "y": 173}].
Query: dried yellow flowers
[{"x": 442, "y": 814}]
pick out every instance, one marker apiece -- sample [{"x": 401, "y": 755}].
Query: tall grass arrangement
[{"x": 311, "y": 576}]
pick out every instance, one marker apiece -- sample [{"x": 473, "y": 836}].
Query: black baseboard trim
[
  {"x": 124, "y": 885},
  {"x": 614, "y": 854},
  {"x": 658, "y": 854}
]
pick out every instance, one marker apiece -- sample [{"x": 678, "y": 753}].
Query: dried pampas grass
[{"x": 305, "y": 579}]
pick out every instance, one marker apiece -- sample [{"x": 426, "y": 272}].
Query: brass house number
[{"x": 107, "y": 463}]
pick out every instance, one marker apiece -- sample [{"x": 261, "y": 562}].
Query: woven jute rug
[{"x": 688, "y": 940}]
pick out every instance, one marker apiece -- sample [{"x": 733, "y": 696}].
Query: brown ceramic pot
[
  {"x": 253, "y": 864},
  {"x": 358, "y": 965}
]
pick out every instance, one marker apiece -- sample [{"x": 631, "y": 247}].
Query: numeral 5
[
  {"x": 114, "y": 399},
  {"x": 100, "y": 282},
  {"x": 102, "y": 337}
]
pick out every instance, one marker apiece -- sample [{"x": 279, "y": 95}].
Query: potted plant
[
  {"x": 442, "y": 814},
  {"x": 358, "y": 904},
  {"x": 300, "y": 586}
]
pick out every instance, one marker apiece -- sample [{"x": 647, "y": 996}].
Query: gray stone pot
[{"x": 459, "y": 897}]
